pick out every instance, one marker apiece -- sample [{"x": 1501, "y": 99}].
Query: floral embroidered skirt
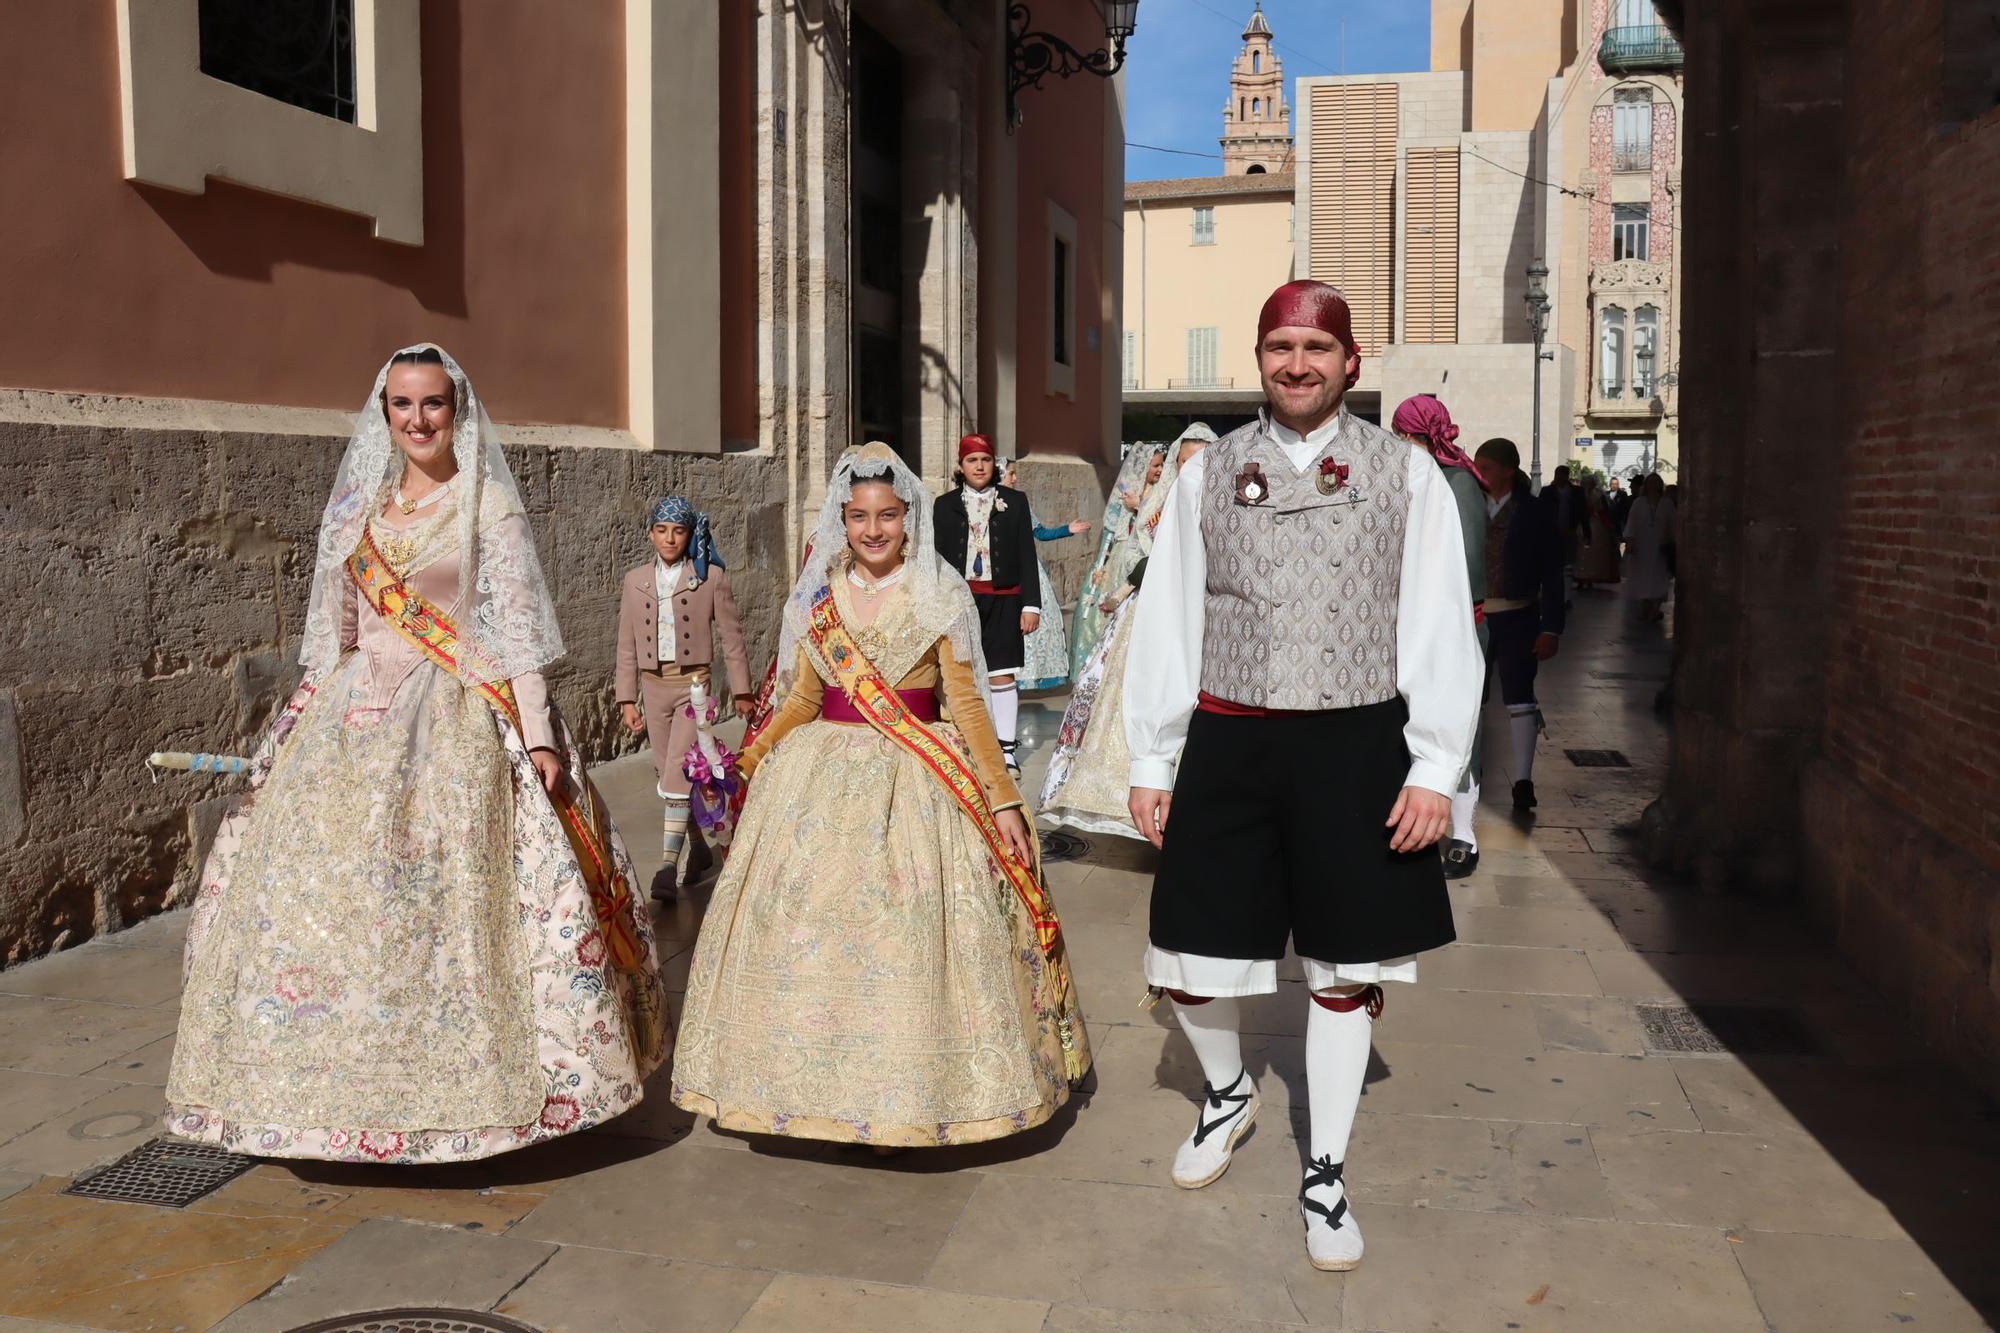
[
  {"x": 864, "y": 973},
  {"x": 1089, "y": 780},
  {"x": 393, "y": 956}
]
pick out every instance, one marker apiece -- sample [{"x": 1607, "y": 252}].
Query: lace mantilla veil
[
  {"x": 504, "y": 608},
  {"x": 937, "y": 593}
]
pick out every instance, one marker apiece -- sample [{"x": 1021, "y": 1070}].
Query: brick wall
[{"x": 1838, "y": 726}]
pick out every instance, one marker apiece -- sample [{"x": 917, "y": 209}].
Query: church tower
[{"x": 1256, "y": 124}]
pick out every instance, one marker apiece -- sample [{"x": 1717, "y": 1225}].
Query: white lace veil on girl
[
  {"x": 937, "y": 593},
  {"x": 1147, "y": 522},
  {"x": 504, "y": 609}
]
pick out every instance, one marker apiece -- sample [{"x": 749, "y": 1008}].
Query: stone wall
[
  {"x": 1837, "y": 729},
  {"x": 155, "y": 581},
  {"x": 1063, "y": 489}
]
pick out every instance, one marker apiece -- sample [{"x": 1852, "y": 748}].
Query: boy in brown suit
[{"x": 665, "y": 646}]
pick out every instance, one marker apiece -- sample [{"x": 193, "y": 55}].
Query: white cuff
[
  {"x": 1155, "y": 773},
  {"x": 1432, "y": 777}
]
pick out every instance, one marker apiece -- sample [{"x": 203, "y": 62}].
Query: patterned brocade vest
[{"x": 1303, "y": 586}]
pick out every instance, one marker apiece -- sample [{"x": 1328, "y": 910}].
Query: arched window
[
  {"x": 1645, "y": 351},
  {"x": 1254, "y": 169},
  {"x": 1256, "y": 62},
  {"x": 1256, "y": 106},
  {"x": 1611, "y": 352},
  {"x": 1239, "y": 108}
]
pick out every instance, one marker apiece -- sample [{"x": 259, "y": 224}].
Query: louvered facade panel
[
  {"x": 1430, "y": 245},
  {"x": 1353, "y": 202}
]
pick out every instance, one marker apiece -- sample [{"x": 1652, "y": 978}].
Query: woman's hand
[
  {"x": 1014, "y": 832},
  {"x": 1129, "y": 500},
  {"x": 635, "y": 721},
  {"x": 549, "y": 767},
  {"x": 745, "y": 706},
  {"x": 1078, "y": 528}
]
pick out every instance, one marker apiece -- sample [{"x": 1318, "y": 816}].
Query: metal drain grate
[
  {"x": 420, "y": 1320},
  {"x": 1725, "y": 1029},
  {"x": 1598, "y": 758},
  {"x": 166, "y": 1173},
  {"x": 1059, "y": 846}
]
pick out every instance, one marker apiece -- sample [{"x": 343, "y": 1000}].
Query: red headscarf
[
  {"x": 975, "y": 444},
  {"x": 1425, "y": 417},
  {"x": 1312, "y": 305}
]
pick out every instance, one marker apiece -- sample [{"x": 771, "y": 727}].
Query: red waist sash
[
  {"x": 1209, "y": 703},
  {"x": 986, "y": 586},
  {"x": 838, "y": 706}
]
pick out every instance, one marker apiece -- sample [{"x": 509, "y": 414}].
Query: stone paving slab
[{"x": 1521, "y": 1161}]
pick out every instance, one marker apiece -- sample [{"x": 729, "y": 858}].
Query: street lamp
[
  {"x": 1537, "y": 302},
  {"x": 1033, "y": 56}
]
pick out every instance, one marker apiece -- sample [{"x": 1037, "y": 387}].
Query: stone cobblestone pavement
[{"x": 1520, "y": 1161}]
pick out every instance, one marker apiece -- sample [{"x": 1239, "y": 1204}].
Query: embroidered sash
[{"x": 582, "y": 815}]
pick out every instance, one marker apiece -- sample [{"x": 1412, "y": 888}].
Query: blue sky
[{"x": 1177, "y": 71}]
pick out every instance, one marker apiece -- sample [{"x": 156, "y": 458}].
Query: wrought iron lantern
[{"x": 1033, "y": 56}]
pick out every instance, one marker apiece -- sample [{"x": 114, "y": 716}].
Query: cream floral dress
[
  {"x": 864, "y": 972},
  {"x": 393, "y": 956}
]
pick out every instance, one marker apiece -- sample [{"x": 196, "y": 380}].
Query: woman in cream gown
[
  {"x": 1117, "y": 551},
  {"x": 880, "y": 963},
  {"x": 1089, "y": 775},
  {"x": 416, "y": 940}
]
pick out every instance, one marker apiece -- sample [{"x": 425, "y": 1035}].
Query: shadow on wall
[{"x": 246, "y": 233}]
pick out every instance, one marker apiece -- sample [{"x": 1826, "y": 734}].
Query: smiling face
[
  {"x": 670, "y": 540},
  {"x": 1305, "y": 373},
  {"x": 1154, "y": 468},
  {"x": 874, "y": 517},
  {"x": 422, "y": 411}
]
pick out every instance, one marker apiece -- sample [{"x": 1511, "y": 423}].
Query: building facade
[
  {"x": 1425, "y": 196},
  {"x": 1257, "y": 118},
  {"x": 701, "y": 255}
]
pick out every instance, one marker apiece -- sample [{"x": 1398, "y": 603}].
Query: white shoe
[
  {"x": 1333, "y": 1238},
  {"x": 1220, "y": 1123}
]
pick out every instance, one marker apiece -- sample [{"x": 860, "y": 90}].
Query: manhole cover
[
  {"x": 424, "y": 1320},
  {"x": 1724, "y": 1029},
  {"x": 1598, "y": 758},
  {"x": 167, "y": 1173},
  {"x": 1060, "y": 846}
]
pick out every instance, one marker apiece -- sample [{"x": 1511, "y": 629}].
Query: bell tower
[{"x": 1256, "y": 123}]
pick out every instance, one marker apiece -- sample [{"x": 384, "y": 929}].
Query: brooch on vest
[
  {"x": 1332, "y": 478},
  {"x": 1251, "y": 487}
]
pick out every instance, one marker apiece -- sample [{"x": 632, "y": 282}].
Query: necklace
[
  {"x": 878, "y": 586},
  {"x": 412, "y": 506}
]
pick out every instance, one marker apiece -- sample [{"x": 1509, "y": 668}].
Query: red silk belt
[{"x": 838, "y": 706}]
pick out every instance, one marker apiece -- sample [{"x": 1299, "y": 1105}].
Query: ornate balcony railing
[
  {"x": 1225, "y": 382},
  {"x": 1628, "y": 50},
  {"x": 1632, "y": 159}
]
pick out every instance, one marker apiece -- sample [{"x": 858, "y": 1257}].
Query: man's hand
[
  {"x": 1030, "y": 621},
  {"x": 1546, "y": 646},
  {"x": 1014, "y": 832},
  {"x": 635, "y": 721},
  {"x": 1420, "y": 818},
  {"x": 745, "y": 706},
  {"x": 549, "y": 767},
  {"x": 1149, "y": 812}
]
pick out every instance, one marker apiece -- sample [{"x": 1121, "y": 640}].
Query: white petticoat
[{"x": 1198, "y": 974}]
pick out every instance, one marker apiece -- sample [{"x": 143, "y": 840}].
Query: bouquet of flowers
[{"x": 715, "y": 788}]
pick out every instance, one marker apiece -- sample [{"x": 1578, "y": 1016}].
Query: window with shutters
[
  {"x": 1430, "y": 245},
  {"x": 1204, "y": 226},
  {"x": 1201, "y": 358},
  {"x": 1351, "y": 211},
  {"x": 1632, "y": 130},
  {"x": 1131, "y": 359}
]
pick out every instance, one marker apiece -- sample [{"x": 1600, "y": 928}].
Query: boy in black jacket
[
  {"x": 985, "y": 532},
  {"x": 1524, "y": 597}
]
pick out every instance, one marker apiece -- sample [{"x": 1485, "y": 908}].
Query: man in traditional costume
[
  {"x": 986, "y": 533},
  {"x": 1525, "y": 598},
  {"x": 665, "y": 648},
  {"x": 1305, "y": 651}
]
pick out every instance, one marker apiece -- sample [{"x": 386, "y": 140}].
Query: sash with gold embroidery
[
  {"x": 582, "y": 814},
  {"x": 878, "y": 702}
]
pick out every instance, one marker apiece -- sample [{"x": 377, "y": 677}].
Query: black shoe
[
  {"x": 666, "y": 884},
  {"x": 1461, "y": 858},
  {"x": 1524, "y": 795},
  {"x": 699, "y": 858}
]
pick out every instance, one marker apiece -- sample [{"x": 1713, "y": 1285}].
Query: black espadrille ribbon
[
  {"x": 1214, "y": 1100},
  {"x": 1325, "y": 1171}
]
